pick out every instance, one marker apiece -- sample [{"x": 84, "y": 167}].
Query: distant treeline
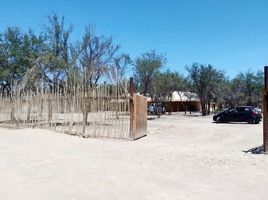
[{"x": 50, "y": 58}]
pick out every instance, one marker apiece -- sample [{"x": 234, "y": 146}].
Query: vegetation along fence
[{"x": 103, "y": 111}]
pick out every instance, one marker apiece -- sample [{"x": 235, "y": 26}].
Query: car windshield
[{"x": 256, "y": 109}]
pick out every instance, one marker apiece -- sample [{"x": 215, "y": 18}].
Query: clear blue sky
[{"x": 230, "y": 34}]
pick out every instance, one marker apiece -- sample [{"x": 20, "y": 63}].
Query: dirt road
[{"x": 182, "y": 157}]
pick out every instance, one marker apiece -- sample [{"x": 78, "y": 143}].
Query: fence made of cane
[{"x": 102, "y": 111}]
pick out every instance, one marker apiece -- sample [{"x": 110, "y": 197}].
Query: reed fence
[{"x": 103, "y": 111}]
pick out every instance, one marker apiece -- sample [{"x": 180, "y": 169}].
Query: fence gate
[{"x": 138, "y": 114}]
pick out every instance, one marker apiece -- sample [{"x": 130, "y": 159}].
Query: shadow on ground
[
  {"x": 152, "y": 118},
  {"x": 238, "y": 123},
  {"x": 256, "y": 150}
]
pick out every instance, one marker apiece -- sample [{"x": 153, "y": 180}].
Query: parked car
[
  {"x": 156, "y": 109},
  {"x": 239, "y": 114}
]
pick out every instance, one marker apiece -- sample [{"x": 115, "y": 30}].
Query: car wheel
[
  {"x": 251, "y": 121},
  {"x": 220, "y": 120}
]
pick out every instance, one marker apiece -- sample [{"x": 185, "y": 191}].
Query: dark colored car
[{"x": 239, "y": 114}]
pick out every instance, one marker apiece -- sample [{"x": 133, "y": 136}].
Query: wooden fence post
[
  {"x": 49, "y": 110},
  {"x": 132, "y": 109},
  {"x": 265, "y": 110}
]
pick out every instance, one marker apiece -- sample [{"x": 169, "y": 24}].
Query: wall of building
[{"x": 176, "y": 106}]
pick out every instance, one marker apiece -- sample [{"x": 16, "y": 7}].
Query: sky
[{"x": 232, "y": 35}]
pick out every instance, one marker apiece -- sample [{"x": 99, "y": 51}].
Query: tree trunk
[
  {"x": 29, "y": 113},
  {"x": 12, "y": 113},
  {"x": 186, "y": 109},
  {"x": 203, "y": 108},
  {"x": 208, "y": 110}
]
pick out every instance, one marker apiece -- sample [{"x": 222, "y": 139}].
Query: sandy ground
[{"x": 183, "y": 157}]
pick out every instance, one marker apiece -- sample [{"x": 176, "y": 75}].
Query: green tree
[
  {"x": 56, "y": 62},
  {"x": 18, "y": 52},
  {"x": 165, "y": 83},
  {"x": 205, "y": 79},
  {"x": 247, "y": 88},
  {"x": 147, "y": 66}
]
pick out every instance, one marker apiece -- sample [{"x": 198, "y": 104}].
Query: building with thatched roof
[{"x": 180, "y": 101}]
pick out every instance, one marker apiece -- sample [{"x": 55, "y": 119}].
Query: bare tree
[
  {"x": 97, "y": 56},
  {"x": 119, "y": 68},
  {"x": 95, "y": 60},
  {"x": 117, "y": 73}
]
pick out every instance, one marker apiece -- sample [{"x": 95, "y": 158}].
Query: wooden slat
[
  {"x": 140, "y": 117},
  {"x": 138, "y": 114},
  {"x": 265, "y": 110}
]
